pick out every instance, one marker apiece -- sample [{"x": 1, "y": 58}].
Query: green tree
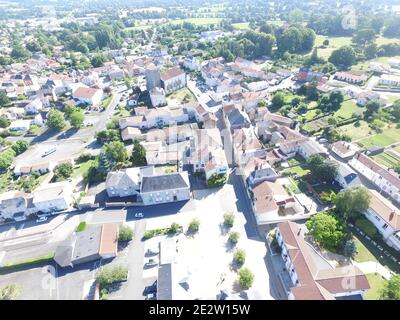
[
  {"x": 63, "y": 171},
  {"x": 364, "y": 36},
  {"x": 18, "y": 52},
  {"x": 4, "y": 99},
  {"x": 138, "y": 154},
  {"x": 10, "y": 292},
  {"x": 391, "y": 289},
  {"x": 6, "y": 159},
  {"x": 108, "y": 135},
  {"x": 350, "y": 248},
  {"x": 372, "y": 107},
  {"x": 239, "y": 256},
  {"x": 194, "y": 226},
  {"x": 229, "y": 219},
  {"x": 55, "y": 120},
  {"x": 116, "y": 151},
  {"x": 321, "y": 168},
  {"x": 125, "y": 233},
  {"x": 278, "y": 100},
  {"x": 76, "y": 119},
  {"x": 326, "y": 230},
  {"x": 98, "y": 61},
  {"x": 352, "y": 202},
  {"x": 234, "y": 237},
  {"x": 20, "y": 146},
  {"x": 246, "y": 278},
  {"x": 111, "y": 274},
  {"x": 344, "y": 56},
  {"x": 4, "y": 122}
]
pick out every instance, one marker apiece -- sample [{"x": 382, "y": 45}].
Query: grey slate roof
[
  {"x": 236, "y": 117},
  {"x": 164, "y": 282},
  {"x": 163, "y": 182}
]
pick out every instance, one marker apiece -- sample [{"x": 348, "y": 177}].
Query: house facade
[{"x": 53, "y": 197}]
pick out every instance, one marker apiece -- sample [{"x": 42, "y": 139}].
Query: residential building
[
  {"x": 16, "y": 205},
  {"x": 346, "y": 177},
  {"x": 157, "y": 97},
  {"x": 53, "y": 197},
  {"x": 34, "y": 106},
  {"x": 152, "y": 77},
  {"x": 353, "y": 77},
  {"x": 390, "y": 80},
  {"x": 89, "y": 96},
  {"x": 310, "y": 280},
  {"x": 94, "y": 243},
  {"x": 125, "y": 183},
  {"x": 344, "y": 150},
  {"x": 192, "y": 63},
  {"x": 387, "y": 181},
  {"x": 173, "y": 79},
  {"x": 271, "y": 203},
  {"x": 130, "y": 133},
  {"x": 169, "y": 187},
  {"x": 386, "y": 218},
  {"x": 20, "y": 125},
  {"x": 311, "y": 147}
]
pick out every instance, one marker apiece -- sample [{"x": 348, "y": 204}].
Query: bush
[
  {"x": 246, "y": 278},
  {"x": 10, "y": 292},
  {"x": 229, "y": 219},
  {"x": 175, "y": 228},
  {"x": 234, "y": 237},
  {"x": 110, "y": 275},
  {"x": 216, "y": 180},
  {"x": 125, "y": 233},
  {"x": 239, "y": 256},
  {"x": 366, "y": 226},
  {"x": 104, "y": 294},
  {"x": 85, "y": 157},
  {"x": 194, "y": 226},
  {"x": 350, "y": 248},
  {"x": 81, "y": 227}
]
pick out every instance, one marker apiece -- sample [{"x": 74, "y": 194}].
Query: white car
[
  {"x": 139, "y": 215},
  {"x": 42, "y": 219}
]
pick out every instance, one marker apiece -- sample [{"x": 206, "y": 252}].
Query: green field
[
  {"x": 387, "y": 159},
  {"x": 363, "y": 254},
  {"x": 376, "y": 283},
  {"x": 356, "y": 132},
  {"x": 334, "y": 43},
  {"x": 82, "y": 168},
  {"x": 347, "y": 109},
  {"x": 241, "y": 26},
  {"x": 197, "y": 21},
  {"x": 389, "y": 136},
  {"x": 142, "y": 27}
]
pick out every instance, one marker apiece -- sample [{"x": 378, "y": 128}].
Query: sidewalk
[{"x": 373, "y": 267}]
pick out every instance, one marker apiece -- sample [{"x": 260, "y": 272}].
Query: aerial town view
[{"x": 200, "y": 150}]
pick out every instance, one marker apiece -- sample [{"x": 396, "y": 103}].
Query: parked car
[
  {"x": 151, "y": 252},
  {"x": 151, "y": 263},
  {"x": 151, "y": 296},
  {"x": 41, "y": 219},
  {"x": 139, "y": 215}
]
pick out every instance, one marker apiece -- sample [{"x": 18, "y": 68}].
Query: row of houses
[{"x": 52, "y": 197}]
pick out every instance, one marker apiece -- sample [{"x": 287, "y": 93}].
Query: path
[{"x": 373, "y": 267}]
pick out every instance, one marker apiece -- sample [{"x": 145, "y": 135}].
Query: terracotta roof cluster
[
  {"x": 314, "y": 283},
  {"x": 171, "y": 73},
  {"x": 384, "y": 209}
]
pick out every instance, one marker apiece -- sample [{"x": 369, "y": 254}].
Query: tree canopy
[
  {"x": 321, "y": 168},
  {"x": 138, "y": 154},
  {"x": 344, "y": 57},
  {"x": 55, "y": 120},
  {"x": 352, "y": 202}
]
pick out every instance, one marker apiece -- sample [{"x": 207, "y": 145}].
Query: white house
[
  {"x": 192, "y": 63},
  {"x": 90, "y": 96},
  {"x": 34, "y": 106},
  {"x": 157, "y": 97},
  {"x": 347, "y": 177},
  {"x": 387, "y": 181},
  {"x": 386, "y": 218},
  {"x": 390, "y": 80},
  {"x": 344, "y": 150},
  {"x": 309, "y": 279},
  {"x": 16, "y": 205},
  {"x": 20, "y": 125},
  {"x": 53, "y": 197},
  {"x": 173, "y": 79},
  {"x": 164, "y": 188}
]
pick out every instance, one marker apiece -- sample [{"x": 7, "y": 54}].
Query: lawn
[
  {"x": 387, "y": 159},
  {"x": 347, "y": 109},
  {"x": 106, "y": 102},
  {"x": 387, "y": 137},
  {"x": 81, "y": 227},
  {"x": 183, "y": 95},
  {"x": 81, "y": 169},
  {"x": 310, "y": 114},
  {"x": 376, "y": 282},
  {"x": 363, "y": 254},
  {"x": 356, "y": 132},
  {"x": 298, "y": 170}
]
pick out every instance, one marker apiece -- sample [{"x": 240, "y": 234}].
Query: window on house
[{"x": 385, "y": 226}]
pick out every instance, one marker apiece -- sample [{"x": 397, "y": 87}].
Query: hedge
[{"x": 367, "y": 227}]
